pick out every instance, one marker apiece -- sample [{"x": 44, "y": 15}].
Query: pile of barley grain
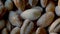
[{"x": 29, "y": 16}]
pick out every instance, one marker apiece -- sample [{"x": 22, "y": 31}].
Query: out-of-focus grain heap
[{"x": 29, "y": 16}]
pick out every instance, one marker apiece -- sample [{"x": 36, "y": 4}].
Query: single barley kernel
[
  {"x": 9, "y": 4},
  {"x": 41, "y": 30},
  {"x": 31, "y": 14},
  {"x": 43, "y": 3},
  {"x": 46, "y": 19},
  {"x": 27, "y": 27},
  {"x": 15, "y": 30},
  {"x": 14, "y": 20},
  {"x": 4, "y": 31},
  {"x": 55, "y": 26},
  {"x": 50, "y": 7}
]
